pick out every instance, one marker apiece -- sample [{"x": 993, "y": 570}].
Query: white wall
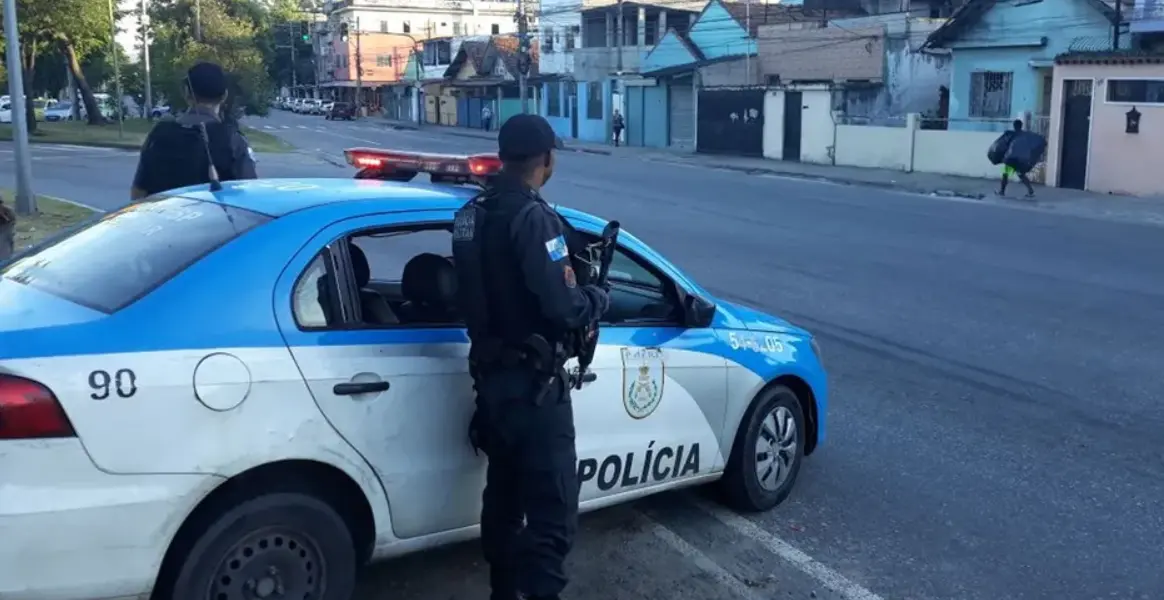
[
  {"x": 774, "y": 125},
  {"x": 425, "y": 23},
  {"x": 558, "y": 16},
  {"x": 817, "y": 127},
  {"x": 954, "y": 152},
  {"x": 874, "y": 147}
]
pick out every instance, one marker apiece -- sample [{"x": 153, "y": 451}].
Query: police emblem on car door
[{"x": 642, "y": 384}]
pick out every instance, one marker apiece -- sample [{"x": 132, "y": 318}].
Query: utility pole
[
  {"x": 748, "y": 32},
  {"x": 291, "y": 35},
  {"x": 359, "y": 72},
  {"x": 523, "y": 59},
  {"x": 198, "y": 20},
  {"x": 25, "y": 200},
  {"x": 145, "y": 62},
  {"x": 618, "y": 40},
  {"x": 120, "y": 104},
  {"x": 1119, "y": 21}
]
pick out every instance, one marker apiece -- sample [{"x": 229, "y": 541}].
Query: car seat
[
  {"x": 429, "y": 285},
  {"x": 376, "y": 309}
]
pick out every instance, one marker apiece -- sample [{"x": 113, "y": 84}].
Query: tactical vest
[
  {"x": 177, "y": 155},
  {"x": 498, "y": 307}
]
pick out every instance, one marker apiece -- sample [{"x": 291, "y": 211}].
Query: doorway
[
  {"x": 793, "y": 107},
  {"x": 1076, "y": 133}
]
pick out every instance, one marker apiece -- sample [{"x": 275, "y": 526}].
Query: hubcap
[
  {"x": 272, "y": 564},
  {"x": 776, "y": 448}
]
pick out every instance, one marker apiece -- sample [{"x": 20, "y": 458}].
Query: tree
[
  {"x": 75, "y": 28},
  {"x": 229, "y": 36}
]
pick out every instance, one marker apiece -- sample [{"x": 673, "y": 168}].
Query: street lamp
[{"x": 25, "y": 200}]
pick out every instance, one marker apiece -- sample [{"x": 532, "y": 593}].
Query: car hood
[{"x": 755, "y": 320}]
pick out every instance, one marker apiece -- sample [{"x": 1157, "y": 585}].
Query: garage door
[{"x": 682, "y": 110}]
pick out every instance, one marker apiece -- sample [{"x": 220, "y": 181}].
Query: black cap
[
  {"x": 525, "y": 136},
  {"x": 207, "y": 81}
]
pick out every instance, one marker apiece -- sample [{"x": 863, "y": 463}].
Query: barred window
[
  {"x": 554, "y": 99},
  {"x": 990, "y": 93},
  {"x": 594, "y": 100},
  {"x": 1136, "y": 91}
]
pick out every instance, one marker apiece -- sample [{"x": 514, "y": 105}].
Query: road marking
[
  {"x": 301, "y": 126},
  {"x": 268, "y": 127},
  {"x": 806, "y": 564},
  {"x": 702, "y": 561},
  {"x": 285, "y": 126}
]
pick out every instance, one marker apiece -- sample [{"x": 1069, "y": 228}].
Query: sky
[{"x": 127, "y": 26}]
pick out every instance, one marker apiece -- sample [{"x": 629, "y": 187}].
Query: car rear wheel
[
  {"x": 282, "y": 545},
  {"x": 767, "y": 453}
]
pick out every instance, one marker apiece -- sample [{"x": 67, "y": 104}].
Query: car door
[
  {"x": 400, "y": 394},
  {"x": 652, "y": 415}
]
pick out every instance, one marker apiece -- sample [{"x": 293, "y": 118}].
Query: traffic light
[
  {"x": 343, "y": 32},
  {"x": 306, "y": 29}
]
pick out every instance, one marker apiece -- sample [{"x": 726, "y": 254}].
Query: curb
[{"x": 849, "y": 181}]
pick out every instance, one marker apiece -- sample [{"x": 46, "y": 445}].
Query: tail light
[{"x": 29, "y": 410}]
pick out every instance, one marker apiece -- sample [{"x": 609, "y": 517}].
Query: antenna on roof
[{"x": 215, "y": 184}]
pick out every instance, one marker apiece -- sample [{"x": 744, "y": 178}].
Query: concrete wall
[
  {"x": 829, "y": 53},
  {"x": 1117, "y": 162},
  {"x": 592, "y": 64},
  {"x": 1007, "y": 39},
  {"x": 907, "y": 148},
  {"x": 742, "y": 71}
]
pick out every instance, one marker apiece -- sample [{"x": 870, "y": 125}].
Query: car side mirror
[{"x": 698, "y": 312}]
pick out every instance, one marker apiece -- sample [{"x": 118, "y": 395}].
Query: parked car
[
  {"x": 159, "y": 111},
  {"x": 314, "y": 107},
  {"x": 62, "y": 111},
  {"x": 341, "y": 110}
]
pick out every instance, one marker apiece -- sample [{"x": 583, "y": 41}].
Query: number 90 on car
[{"x": 764, "y": 344}]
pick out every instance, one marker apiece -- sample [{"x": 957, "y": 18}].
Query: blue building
[
  {"x": 716, "y": 50},
  {"x": 1003, "y": 54}
]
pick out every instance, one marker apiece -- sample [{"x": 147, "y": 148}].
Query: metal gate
[
  {"x": 681, "y": 106},
  {"x": 731, "y": 122}
]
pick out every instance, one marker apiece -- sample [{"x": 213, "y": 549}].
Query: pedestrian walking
[
  {"x": 486, "y": 117},
  {"x": 1018, "y": 152},
  {"x": 618, "y": 125},
  {"x": 526, "y": 303},
  {"x": 197, "y": 146}
]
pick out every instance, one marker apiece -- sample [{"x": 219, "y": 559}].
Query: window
[
  {"x": 110, "y": 262},
  {"x": 407, "y": 27},
  {"x": 990, "y": 95},
  {"x": 383, "y": 60},
  {"x": 571, "y": 37},
  {"x": 495, "y": 29},
  {"x": 554, "y": 99},
  {"x": 398, "y": 274},
  {"x": 548, "y": 40},
  {"x": 383, "y": 26},
  {"x": 457, "y": 28},
  {"x": 638, "y": 294},
  {"x": 594, "y": 100},
  {"x": 1136, "y": 91}
]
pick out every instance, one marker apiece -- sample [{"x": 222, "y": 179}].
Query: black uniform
[
  {"x": 526, "y": 305},
  {"x": 174, "y": 154}
]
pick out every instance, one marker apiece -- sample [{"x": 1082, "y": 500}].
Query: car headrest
[
  {"x": 429, "y": 279},
  {"x": 360, "y": 268}
]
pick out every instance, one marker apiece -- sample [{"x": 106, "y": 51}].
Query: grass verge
[
  {"x": 53, "y": 216},
  {"x": 133, "y": 134}
]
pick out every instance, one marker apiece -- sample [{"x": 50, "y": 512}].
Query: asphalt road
[{"x": 995, "y": 425}]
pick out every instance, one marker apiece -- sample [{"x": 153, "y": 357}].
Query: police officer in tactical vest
[
  {"x": 181, "y": 151},
  {"x": 527, "y": 306}
]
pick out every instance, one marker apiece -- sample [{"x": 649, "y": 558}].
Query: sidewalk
[{"x": 1062, "y": 200}]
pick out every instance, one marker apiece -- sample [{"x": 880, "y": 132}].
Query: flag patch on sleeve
[{"x": 556, "y": 248}]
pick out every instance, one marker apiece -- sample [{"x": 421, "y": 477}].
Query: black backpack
[{"x": 179, "y": 155}]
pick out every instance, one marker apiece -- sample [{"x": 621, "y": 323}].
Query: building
[
  {"x": 424, "y": 77},
  {"x": 559, "y": 37},
  {"x": 1002, "y": 55},
  {"x": 392, "y": 30},
  {"x": 486, "y": 74},
  {"x": 1107, "y": 122}
]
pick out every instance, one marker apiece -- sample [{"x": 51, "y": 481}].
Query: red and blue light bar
[{"x": 446, "y": 165}]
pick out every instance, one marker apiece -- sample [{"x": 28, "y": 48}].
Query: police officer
[
  {"x": 180, "y": 151},
  {"x": 526, "y": 305}
]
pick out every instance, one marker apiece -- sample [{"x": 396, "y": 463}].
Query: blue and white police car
[{"x": 248, "y": 392}]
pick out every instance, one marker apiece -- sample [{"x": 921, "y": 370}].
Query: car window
[
  {"x": 625, "y": 269},
  {"x": 637, "y": 293},
  {"x": 312, "y": 298},
  {"x": 112, "y": 261}
]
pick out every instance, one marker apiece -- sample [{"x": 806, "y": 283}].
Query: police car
[{"x": 246, "y": 392}]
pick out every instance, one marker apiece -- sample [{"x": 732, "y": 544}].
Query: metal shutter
[{"x": 682, "y": 109}]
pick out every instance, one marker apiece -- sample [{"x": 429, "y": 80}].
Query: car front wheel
[
  {"x": 280, "y": 545},
  {"x": 767, "y": 453}
]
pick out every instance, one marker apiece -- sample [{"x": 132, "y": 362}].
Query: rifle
[{"x": 604, "y": 249}]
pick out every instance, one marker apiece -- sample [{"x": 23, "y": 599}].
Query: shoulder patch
[
  {"x": 464, "y": 225},
  {"x": 556, "y": 248}
]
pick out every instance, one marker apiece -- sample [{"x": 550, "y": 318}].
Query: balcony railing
[{"x": 454, "y": 5}]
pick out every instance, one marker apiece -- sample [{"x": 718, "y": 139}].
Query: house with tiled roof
[
  {"x": 1003, "y": 55},
  {"x": 486, "y": 73}
]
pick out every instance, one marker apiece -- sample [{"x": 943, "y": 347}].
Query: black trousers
[{"x": 532, "y": 476}]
